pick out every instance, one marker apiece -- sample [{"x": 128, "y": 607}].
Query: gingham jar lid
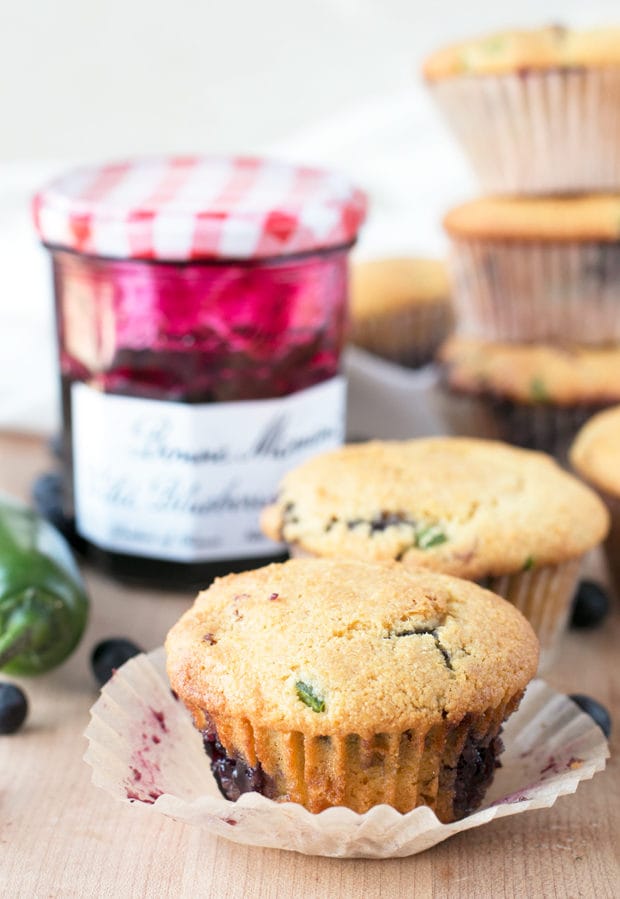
[{"x": 180, "y": 209}]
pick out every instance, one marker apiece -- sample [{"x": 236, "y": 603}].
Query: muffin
[
  {"x": 343, "y": 683},
  {"x": 533, "y": 395},
  {"x": 400, "y": 308},
  {"x": 595, "y": 455},
  {"x": 537, "y": 269},
  {"x": 508, "y": 518},
  {"x": 535, "y": 111}
]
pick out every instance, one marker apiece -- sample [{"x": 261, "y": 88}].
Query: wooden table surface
[{"x": 62, "y": 837}]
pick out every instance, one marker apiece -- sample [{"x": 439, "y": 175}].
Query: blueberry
[
  {"x": 590, "y": 606},
  {"x": 13, "y": 708},
  {"x": 47, "y": 498},
  {"x": 595, "y": 710},
  {"x": 109, "y": 655}
]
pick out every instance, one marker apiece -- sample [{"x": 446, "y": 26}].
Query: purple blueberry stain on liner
[
  {"x": 144, "y": 772},
  {"x": 554, "y": 766},
  {"x": 161, "y": 719}
]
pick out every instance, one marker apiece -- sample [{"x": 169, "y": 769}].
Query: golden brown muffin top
[
  {"x": 471, "y": 508},
  {"x": 564, "y": 219},
  {"x": 534, "y": 373},
  {"x": 381, "y": 286},
  {"x": 522, "y": 51},
  {"x": 334, "y": 647},
  {"x": 595, "y": 454}
]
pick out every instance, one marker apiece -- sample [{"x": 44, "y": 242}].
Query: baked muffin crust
[
  {"x": 468, "y": 507},
  {"x": 559, "y": 219},
  {"x": 522, "y": 51},
  {"x": 375, "y": 648}
]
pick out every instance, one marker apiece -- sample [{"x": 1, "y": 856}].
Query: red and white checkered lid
[{"x": 179, "y": 209}]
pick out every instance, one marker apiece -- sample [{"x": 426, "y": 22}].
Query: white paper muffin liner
[
  {"x": 544, "y": 596},
  {"x": 144, "y": 748},
  {"x": 517, "y": 290},
  {"x": 533, "y": 132}
]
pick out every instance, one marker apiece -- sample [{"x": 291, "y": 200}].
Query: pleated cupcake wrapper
[
  {"x": 400, "y": 769},
  {"x": 544, "y": 596},
  {"x": 143, "y": 747},
  {"x": 409, "y": 337},
  {"x": 537, "y": 290},
  {"x": 537, "y": 132},
  {"x": 547, "y": 427}
]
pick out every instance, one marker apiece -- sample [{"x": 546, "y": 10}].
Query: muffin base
[
  {"x": 538, "y": 290},
  {"x": 447, "y": 768},
  {"x": 409, "y": 337},
  {"x": 536, "y": 426},
  {"x": 544, "y": 596},
  {"x": 532, "y": 132}
]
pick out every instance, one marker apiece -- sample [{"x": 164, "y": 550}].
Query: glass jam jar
[{"x": 200, "y": 307}]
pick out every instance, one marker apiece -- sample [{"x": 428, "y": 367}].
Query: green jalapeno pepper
[{"x": 43, "y": 602}]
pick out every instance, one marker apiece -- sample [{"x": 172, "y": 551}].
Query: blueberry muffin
[
  {"x": 595, "y": 456},
  {"x": 505, "y": 517},
  {"x": 344, "y": 683},
  {"x": 400, "y": 308},
  {"x": 535, "y": 111},
  {"x": 543, "y": 269},
  {"x": 533, "y": 395}
]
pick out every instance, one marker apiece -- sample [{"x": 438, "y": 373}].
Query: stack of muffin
[{"x": 536, "y": 264}]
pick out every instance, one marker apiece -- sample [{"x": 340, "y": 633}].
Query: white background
[
  {"x": 328, "y": 81},
  {"x": 128, "y": 76}
]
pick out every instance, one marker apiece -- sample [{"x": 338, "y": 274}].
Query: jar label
[{"x": 186, "y": 482}]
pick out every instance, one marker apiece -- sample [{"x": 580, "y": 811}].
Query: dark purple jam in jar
[{"x": 200, "y": 309}]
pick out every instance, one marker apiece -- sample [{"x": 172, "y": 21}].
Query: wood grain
[{"x": 62, "y": 837}]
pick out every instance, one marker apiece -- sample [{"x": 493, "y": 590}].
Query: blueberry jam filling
[
  {"x": 474, "y": 773},
  {"x": 424, "y": 535},
  {"x": 475, "y": 770},
  {"x": 232, "y": 774},
  {"x": 382, "y": 521}
]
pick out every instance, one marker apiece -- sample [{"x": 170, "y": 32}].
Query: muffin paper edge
[{"x": 144, "y": 748}]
